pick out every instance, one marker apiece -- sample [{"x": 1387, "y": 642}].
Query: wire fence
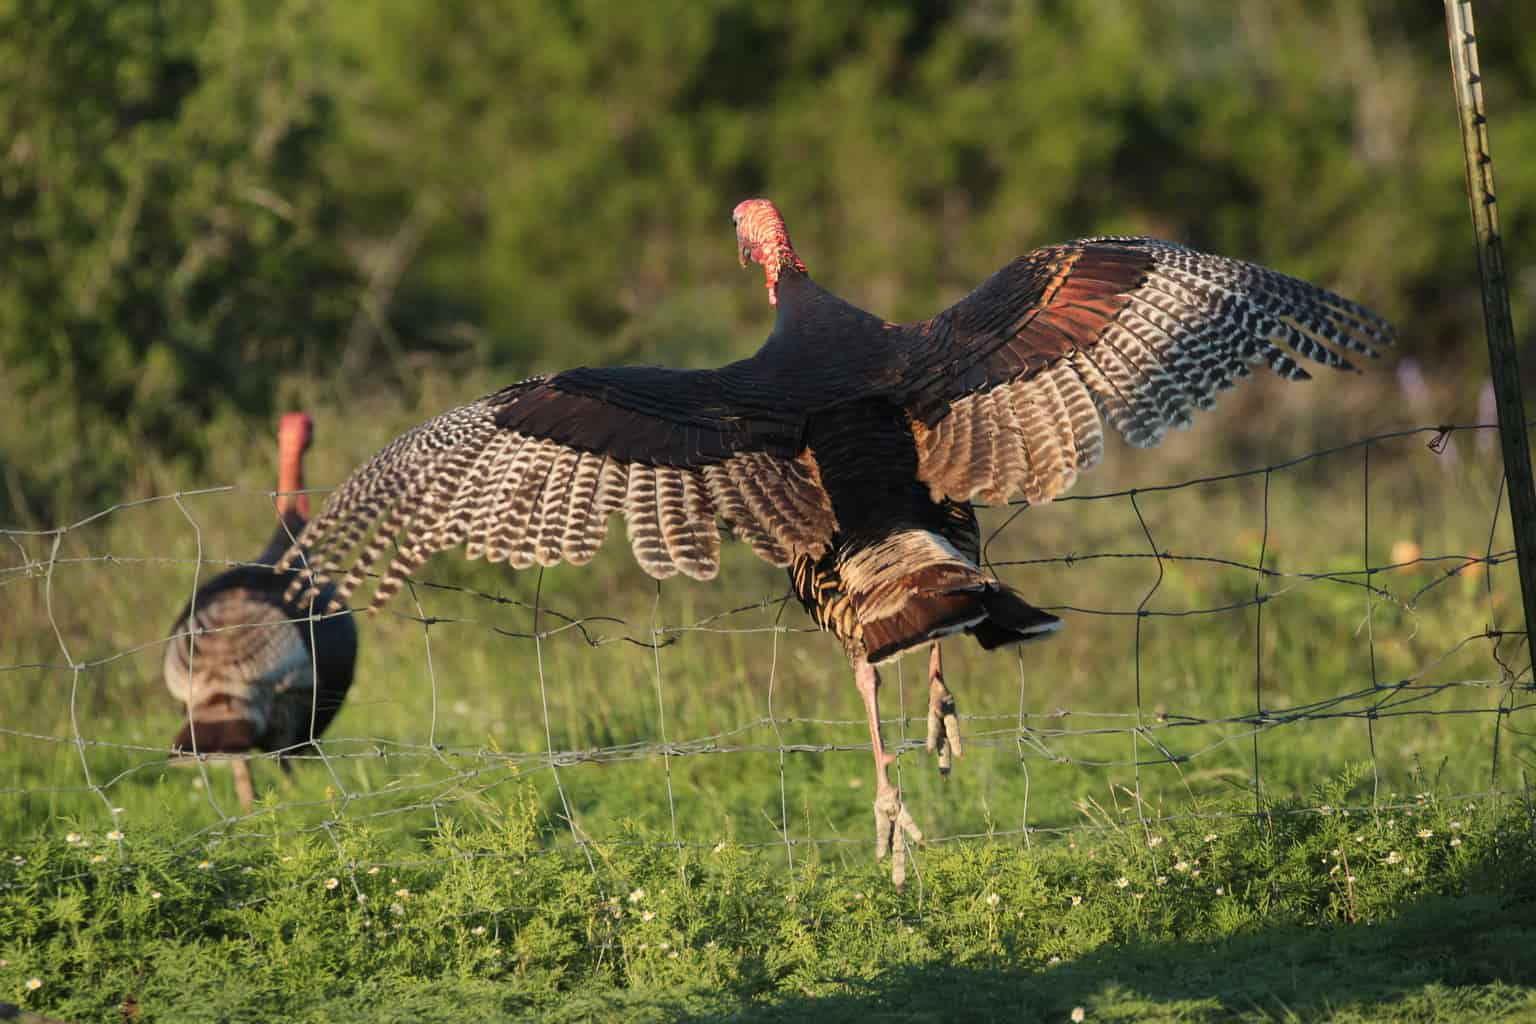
[{"x": 1251, "y": 632}]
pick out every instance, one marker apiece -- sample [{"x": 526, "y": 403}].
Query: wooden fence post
[{"x": 1501, "y": 333}]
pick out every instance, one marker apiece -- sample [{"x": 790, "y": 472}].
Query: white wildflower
[
  {"x": 1181, "y": 866},
  {"x": 637, "y": 895},
  {"x": 100, "y": 858},
  {"x": 1155, "y": 841},
  {"x": 1077, "y": 901},
  {"x": 1210, "y": 837},
  {"x": 115, "y": 835},
  {"x": 373, "y": 870},
  {"x": 672, "y": 955},
  {"x": 1053, "y": 961},
  {"x": 72, "y": 838},
  {"x": 647, "y": 915},
  {"x": 332, "y": 883},
  {"x": 1425, "y": 833},
  {"x": 204, "y": 865},
  {"x": 1455, "y": 840},
  {"x": 33, "y": 984},
  {"x": 1220, "y": 891},
  {"x": 156, "y": 894},
  {"x": 478, "y": 929},
  {"x": 404, "y": 894},
  {"x": 1394, "y": 857},
  {"x": 993, "y": 900},
  {"x": 1162, "y": 879},
  {"x": 1455, "y": 826},
  {"x": 397, "y": 910},
  {"x": 1122, "y": 882},
  {"x": 1078, "y": 1015}
]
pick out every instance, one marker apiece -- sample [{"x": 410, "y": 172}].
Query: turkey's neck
[
  {"x": 782, "y": 264},
  {"x": 290, "y": 478}
]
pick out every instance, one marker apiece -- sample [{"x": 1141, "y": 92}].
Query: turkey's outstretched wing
[
  {"x": 533, "y": 472},
  {"x": 1006, "y": 388}
]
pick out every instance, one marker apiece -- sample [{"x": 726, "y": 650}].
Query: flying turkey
[
  {"x": 249, "y": 665},
  {"x": 848, "y": 448}
]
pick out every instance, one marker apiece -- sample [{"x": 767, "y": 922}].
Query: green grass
[
  {"x": 1422, "y": 911},
  {"x": 436, "y": 771}
]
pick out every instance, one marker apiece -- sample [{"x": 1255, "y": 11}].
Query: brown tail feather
[
  {"x": 226, "y": 736},
  {"x": 920, "y": 618},
  {"x": 912, "y": 586}
]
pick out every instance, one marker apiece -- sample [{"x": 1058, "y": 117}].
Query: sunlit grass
[{"x": 1418, "y": 910}]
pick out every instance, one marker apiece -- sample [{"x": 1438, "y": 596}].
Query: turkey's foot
[
  {"x": 943, "y": 718},
  {"x": 894, "y": 827},
  {"x": 894, "y": 830}
]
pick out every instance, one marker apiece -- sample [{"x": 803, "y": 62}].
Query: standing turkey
[
  {"x": 251, "y": 668},
  {"x": 848, "y": 448}
]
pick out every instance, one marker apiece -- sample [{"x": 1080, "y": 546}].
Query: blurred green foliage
[{"x": 208, "y": 209}]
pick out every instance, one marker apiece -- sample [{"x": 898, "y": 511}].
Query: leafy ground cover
[{"x": 1421, "y": 910}]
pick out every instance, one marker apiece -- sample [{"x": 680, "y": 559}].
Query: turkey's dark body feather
[
  {"x": 251, "y": 668},
  {"x": 847, "y": 447}
]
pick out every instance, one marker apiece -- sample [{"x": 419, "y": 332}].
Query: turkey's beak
[{"x": 745, "y": 253}]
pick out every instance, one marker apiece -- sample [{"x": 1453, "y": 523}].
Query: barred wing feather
[
  {"x": 533, "y": 473},
  {"x": 1008, "y": 389}
]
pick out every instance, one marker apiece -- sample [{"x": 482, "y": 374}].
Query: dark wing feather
[
  {"x": 533, "y": 472},
  {"x": 1007, "y": 388}
]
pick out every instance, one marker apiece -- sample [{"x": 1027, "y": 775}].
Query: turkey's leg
[
  {"x": 243, "y": 788},
  {"x": 893, "y": 825},
  {"x": 943, "y": 720}
]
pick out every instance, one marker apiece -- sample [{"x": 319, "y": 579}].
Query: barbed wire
[{"x": 1467, "y": 670}]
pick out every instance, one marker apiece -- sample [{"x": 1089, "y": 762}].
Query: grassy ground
[
  {"x": 744, "y": 729},
  {"x": 1420, "y": 911}
]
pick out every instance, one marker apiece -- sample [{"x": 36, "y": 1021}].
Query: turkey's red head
[
  {"x": 294, "y": 433},
  {"x": 762, "y": 238}
]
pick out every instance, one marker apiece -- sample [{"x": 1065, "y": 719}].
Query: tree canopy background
[{"x": 210, "y": 210}]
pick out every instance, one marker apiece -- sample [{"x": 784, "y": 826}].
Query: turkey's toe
[
  {"x": 943, "y": 728},
  {"x": 894, "y": 830}
]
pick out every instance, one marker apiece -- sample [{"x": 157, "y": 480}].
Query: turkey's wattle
[
  {"x": 848, "y": 448},
  {"x": 244, "y": 659}
]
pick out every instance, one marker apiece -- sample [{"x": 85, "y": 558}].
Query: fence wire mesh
[{"x": 1253, "y": 632}]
